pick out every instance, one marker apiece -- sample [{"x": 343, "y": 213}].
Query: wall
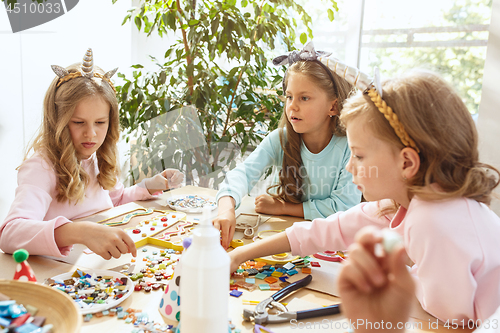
[{"x": 489, "y": 115}]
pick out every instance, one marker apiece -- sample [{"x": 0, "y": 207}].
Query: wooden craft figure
[
  {"x": 129, "y": 215},
  {"x": 181, "y": 228},
  {"x": 336, "y": 256},
  {"x": 23, "y": 269},
  {"x": 248, "y": 225},
  {"x": 279, "y": 258},
  {"x": 163, "y": 230}
]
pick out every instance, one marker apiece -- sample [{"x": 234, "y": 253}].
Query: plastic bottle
[{"x": 205, "y": 281}]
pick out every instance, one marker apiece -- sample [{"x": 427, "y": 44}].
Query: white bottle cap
[{"x": 206, "y": 213}]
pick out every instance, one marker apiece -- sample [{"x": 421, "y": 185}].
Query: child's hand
[
  {"x": 107, "y": 241},
  {"x": 174, "y": 177},
  {"x": 167, "y": 179},
  {"x": 266, "y": 204},
  {"x": 226, "y": 223},
  {"x": 225, "y": 220},
  {"x": 375, "y": 289}
]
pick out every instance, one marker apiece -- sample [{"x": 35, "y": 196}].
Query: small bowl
[{"x": 58, "y": 308}]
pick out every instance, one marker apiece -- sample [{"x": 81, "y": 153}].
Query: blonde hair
[
  {"x": 54, "y": 143},
  {"x": 443, "y": 130},
  {"x": 289, "y": 188}
]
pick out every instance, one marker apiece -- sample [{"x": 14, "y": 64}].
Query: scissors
[{"x": 260, "y": 315}]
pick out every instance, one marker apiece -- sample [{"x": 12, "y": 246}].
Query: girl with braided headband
[
  {"x": 415, "y": 158},
  {"x": 309, "y": 147},
  {"x": 74, "y": 171}
]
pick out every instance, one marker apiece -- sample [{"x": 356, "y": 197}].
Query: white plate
[
  {"x": 94, "y": 273},
  {"x": 197, "y": 209}
]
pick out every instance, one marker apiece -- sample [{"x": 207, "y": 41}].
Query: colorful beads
[{"x": 191, "y": 202}]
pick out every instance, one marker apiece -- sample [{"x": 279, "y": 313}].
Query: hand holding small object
[
  {"x": 376, "y": 287},
  {"x": 225, "y": 220},
  {"x": 102, "y": 240},
  {"x": 390, "y": 240},
  {"x": 226, "y": 223},
  {"x": 166, "y": 180},
  {"x": 109, "y": 242}
]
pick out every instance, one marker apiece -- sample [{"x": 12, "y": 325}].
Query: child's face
[
  {"x": 376, "y": 165},
  {"x": 308, "y": 107},
  {"x": 89, "y": 125}
]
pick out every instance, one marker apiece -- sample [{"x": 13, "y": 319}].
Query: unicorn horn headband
[
  {"x": 360, "y": 80},
  {"x": 87, "y": 71}
]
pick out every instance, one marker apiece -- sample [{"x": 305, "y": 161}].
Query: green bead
[{"x": 20, "y": 255}]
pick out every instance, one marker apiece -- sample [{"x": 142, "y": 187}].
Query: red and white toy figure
[{"x": 23, "y": 269}]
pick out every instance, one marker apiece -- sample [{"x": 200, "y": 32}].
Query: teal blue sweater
[{"x": 327, "y": 185}]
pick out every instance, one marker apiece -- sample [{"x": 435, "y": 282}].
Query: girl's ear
[
  {"x": 334, "y": 110},
  {"x": 411, "y": 162}
]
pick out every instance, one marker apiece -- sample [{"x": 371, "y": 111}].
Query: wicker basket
[{"x": 59, "y": 309}]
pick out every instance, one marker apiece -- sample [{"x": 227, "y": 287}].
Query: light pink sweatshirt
[
  {"x": 455, "y": 245},
  {"x": 35, "y": 212}
]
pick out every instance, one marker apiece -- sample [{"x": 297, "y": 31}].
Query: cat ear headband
[
  {"x": 369, "y": 86},
  {"x": 87, "y": 71}
]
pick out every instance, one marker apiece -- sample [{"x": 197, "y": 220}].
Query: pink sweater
[
  {"x": 454, "y": 245},
  {"x": 35, "y": 212}
]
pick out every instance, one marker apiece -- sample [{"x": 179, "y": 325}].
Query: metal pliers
[{"x": 260, "y": 315}]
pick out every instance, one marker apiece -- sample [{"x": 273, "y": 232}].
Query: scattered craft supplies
[
  {"x": 94, "y": 291},
  {"x": 191, "y": 203}
]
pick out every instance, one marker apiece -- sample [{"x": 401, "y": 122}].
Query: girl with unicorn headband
[{"x": 74, "y": 171}]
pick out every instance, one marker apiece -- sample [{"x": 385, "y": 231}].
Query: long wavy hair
[
  {"x": 438, "y": 121},
  {"x": 289, "y": 188},
  {"x": 54, "y": 143}
]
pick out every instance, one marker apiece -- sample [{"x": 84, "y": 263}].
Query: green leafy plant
[{"x": 234, "y": 105}]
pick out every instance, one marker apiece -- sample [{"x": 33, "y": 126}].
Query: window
[{"x": 445, "y": 36}]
